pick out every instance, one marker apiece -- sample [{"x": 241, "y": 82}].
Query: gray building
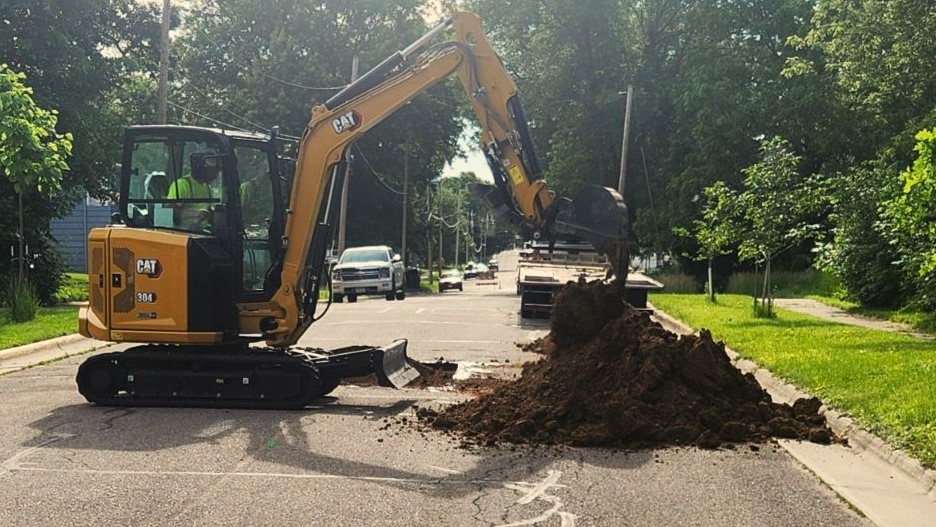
[{"x": 71, "y": 232}]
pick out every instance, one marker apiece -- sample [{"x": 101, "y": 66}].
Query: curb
[
  {"x": 860, "y": 440},
  {"x": 43, "y": 345}
]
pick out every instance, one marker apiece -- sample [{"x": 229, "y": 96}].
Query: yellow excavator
[{"x": 219, "y": 249}]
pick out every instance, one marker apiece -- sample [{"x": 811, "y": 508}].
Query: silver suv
[{"x": 374, "y": 270}]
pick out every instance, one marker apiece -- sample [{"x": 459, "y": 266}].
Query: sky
[{"x": 474, "y": 160}]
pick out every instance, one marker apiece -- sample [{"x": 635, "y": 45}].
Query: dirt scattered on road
[
  {"x": 612, "y": 377},
  {"x": 435, "y": 374}
]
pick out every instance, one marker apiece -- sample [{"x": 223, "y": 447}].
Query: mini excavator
[{"x": 216, "y": 263}]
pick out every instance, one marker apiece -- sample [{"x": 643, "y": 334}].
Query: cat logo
[
  {"x": 347, "y": 122},
  {"x": 150, "y": 268}
]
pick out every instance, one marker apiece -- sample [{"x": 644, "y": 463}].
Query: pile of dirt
[{"x": 613, "y": 377}]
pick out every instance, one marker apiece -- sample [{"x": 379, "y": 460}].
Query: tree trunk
[
  {"x": 711, "y": 285},
  {"x": 22, "y": 243},
  {"x": 765, "y": 299},
  {"x": 755, "y": 286}
]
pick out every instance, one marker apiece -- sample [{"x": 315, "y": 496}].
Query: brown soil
[
  {"x": 436, "y": 374},
  {"x": 612, "y": 377}
]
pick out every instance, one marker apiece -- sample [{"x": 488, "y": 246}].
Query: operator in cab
[{"x": 195, "y": 185}]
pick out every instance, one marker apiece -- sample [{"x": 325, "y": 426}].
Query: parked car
[
  {"x": 451, "y": 279},
  {"x": 482, "y": 272},
  {"x": 374, "y": 270},
  {"x": 470, "y": 270}
]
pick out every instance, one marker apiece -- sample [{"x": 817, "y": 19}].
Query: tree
[
  {"x": 878, "y": 57},
  {"x": 75, "y": 53},
  {"x": 911, "y": 220},
  {"x": 774, "y": 208},
  {"x": 716, "y": 231},
  {"x": 32, "y": 155}
]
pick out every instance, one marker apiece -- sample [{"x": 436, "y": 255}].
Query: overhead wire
[
  {"x": 375, "y": 173},
  {"x": 223, "y": 108},
  {"x": 213, "y": 120}
]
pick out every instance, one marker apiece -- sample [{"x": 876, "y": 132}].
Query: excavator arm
[{"x": 520, "y": 195}]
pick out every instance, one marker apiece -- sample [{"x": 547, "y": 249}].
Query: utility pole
[
  {"x": 429, "y": 232},
  {"x": 440, "y": 226},
  {"x": 162, "y": 96},
  {"x": 405, "y": 197},
  {"x": 343, "y": 214},
  {"x": 21, "y": 237},
  {"x": 467, "y": 239},
  {"x": 457, "y": 228},
  {"x": 627, "y": 119}
]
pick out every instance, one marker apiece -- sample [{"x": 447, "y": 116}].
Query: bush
[
  {"x": 45, "y": 270},
  {"x": 74, "y": 288},
  {"x": 23, "y": 301},
  {"x": 786, "y": 284},
  {"x": 676, "y": 282}
]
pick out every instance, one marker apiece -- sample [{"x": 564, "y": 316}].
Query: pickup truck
[{"x": 374, "y": 270}]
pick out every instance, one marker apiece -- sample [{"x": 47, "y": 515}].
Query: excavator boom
[{"x": 520, "y": 195}]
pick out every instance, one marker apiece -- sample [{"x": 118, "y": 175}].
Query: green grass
[
  {"x": 884, "y": 380},
  {"x": 786, "y": 284},
  {"x": 49, "y": 323},
  {"x": 425, "y": 286},
  {"x": 676, "y": 282}
]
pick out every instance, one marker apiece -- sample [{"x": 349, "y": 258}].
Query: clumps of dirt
[
  {"x": 435, "y": 374},
  {"x": 612, "y": 377},
  {"x": 542, "y": 345}
]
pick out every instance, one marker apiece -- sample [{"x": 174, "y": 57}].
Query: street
[{"x": 356, "y": 458}]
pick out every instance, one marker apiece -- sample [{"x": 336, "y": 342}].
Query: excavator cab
[{"x": 213, "y": 183}]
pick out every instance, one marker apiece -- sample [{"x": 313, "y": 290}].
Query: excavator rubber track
[{"x": 258, "y": 378}]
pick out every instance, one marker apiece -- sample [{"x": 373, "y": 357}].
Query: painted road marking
[{"x": 538, "y": 492}]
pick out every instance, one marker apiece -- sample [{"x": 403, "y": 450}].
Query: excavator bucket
[
  {"x": 389, "y": 363},
  {"x": 393, "y": 367},
  {"x": 598, "y": 214}
]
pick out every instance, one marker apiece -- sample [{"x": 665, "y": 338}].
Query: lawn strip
[{"x": 49, "y": 323}]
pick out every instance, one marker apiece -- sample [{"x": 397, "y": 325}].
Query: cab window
[
  {"x": 256, "y": 196},
  {"x": 175, "y": 184}
]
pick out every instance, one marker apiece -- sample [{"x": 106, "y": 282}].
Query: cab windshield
[
  {"x": 174, "y": 183},
  {"x": 364, "y": 256}
]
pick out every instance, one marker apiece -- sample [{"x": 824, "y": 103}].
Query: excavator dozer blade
[{"x": 393, "y": 368}]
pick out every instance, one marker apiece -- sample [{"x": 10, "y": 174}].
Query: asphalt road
[{"x": 351, "y": 461}]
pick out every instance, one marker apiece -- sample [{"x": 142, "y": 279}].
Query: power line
[
  {"x": 222, "y": 107},
  {"x": 213, "y": 120},
  {"x": 238, "y": 116},
  {"x": 376, "y": 174}
]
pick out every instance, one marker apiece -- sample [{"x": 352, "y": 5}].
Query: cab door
[{"x": 261, "y": 225}]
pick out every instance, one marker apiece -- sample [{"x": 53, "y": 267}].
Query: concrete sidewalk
[
  {"x": 889, "y": 487},
  {"x": 834, "y": 314},
  {"x": 22, "y": 357}
]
